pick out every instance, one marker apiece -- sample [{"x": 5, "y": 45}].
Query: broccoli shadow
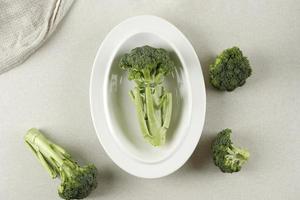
[
  {"x": 173, "y": 83},
  {"x": 260, "y": 69},
  {"x": 105, "y": 179},
  {"x": 201, "y": 157},
  {"x": 117, "y": 76},
  {"x": 205, "y": 62},
  {"x": 204, "y": 51}
]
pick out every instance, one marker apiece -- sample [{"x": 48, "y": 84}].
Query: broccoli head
[
  {"x": 225, "y": 155},
  {"x": 76, "y": 182},
  {"x": 80, "y": 184},
  {"x": 230, "y": 70},
  {"x": 147, "y": 67}
]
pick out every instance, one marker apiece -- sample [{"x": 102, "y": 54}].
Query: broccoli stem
[
  {"x": 153, "y": 108},
  {"x": 153, "y": 121},
  {"x": 51, "y": 156},
  {"x": 167, "y": 110},
  {"x": 154, "y": 112},
  {"x": 238, "y": 154},
  {"x": 157, "y": 99},
  {"x": 136, "y": 95}
]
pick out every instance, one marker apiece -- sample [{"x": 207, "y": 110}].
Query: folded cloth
[{"x": 25, "y": 25}]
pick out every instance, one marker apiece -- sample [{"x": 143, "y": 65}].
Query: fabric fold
[{"x": 25, "y": 25}]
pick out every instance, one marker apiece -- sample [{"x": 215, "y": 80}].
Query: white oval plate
[{"x": 113, "y": 112}]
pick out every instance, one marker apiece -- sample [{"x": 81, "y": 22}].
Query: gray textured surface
[{"x": 50, "y": 91}]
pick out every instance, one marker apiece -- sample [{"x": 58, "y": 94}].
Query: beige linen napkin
[{"x": 25, "y": 25}]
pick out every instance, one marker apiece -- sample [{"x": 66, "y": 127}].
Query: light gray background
[{"x": 50, "y": 91}]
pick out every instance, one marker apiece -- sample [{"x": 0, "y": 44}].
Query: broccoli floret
[
  {"x": 230, "y": 70},
  {"x": 225, "y": 155},
  {"x": 76, "y": 182},
  {"x": 147, "y": 67}
]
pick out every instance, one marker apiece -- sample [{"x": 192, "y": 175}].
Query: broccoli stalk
[
  {"x": 147, "y": 67},
  {"x": 76, "y": 182},
  {"x": 226, "y": 156}
]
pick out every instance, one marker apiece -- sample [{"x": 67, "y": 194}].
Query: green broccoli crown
[
  {"x": 79, "y": 183},
  {"x": 147, "y": 64},
  {"x": 76, "y": 182},
  {"x": 230, "y": 70},
  {"x": 225, "y": 155}
]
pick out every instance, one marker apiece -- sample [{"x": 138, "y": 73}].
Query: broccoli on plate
[
  {"x": 226, "y": 156},
  {"x": 147, "y": 67},
  {"x": 76, "y": 182}
]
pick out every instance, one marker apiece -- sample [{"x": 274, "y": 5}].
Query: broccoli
[
  {"x": 225, "y": 155},
  {"x": 230, "y": 70},
  {"x": 147, "y": 67},
  {"x": 76, "y": 182}
]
